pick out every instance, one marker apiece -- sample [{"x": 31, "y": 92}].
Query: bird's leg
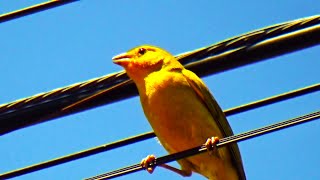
[
  {"x": 176, "y": 170},
  {"x": 211, "y": 144},
  {"x": 150, "y": 160}
]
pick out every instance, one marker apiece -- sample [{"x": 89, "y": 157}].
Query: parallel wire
[
  {"x": 138, "y": 138},
  {"x": 33, "y": 9},
  {"x": 232, "y": 53},
  {"x": 202, "y": 148}
]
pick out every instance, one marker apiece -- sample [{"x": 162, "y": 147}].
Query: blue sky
[{"x": 75, "y": 43}]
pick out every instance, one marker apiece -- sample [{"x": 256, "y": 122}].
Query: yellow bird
[{"x": 182, "y": 113}]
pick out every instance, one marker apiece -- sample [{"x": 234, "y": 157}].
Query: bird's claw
[
  {"x": 148, "y": 163},
  {"x": 211, "y": 144}
]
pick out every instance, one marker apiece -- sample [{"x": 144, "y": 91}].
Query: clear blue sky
[{"x": 75, "y": 43}]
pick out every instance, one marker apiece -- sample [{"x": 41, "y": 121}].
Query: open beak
[{"x": 122, "y": 59}]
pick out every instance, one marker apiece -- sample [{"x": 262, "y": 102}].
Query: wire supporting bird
[{"x": 182, "y": 113}]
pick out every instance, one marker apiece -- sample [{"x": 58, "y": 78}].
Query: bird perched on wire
[{"x": 182, "y": 113}]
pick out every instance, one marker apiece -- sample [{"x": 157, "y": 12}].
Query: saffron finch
[{"x": 182, "y": 113}]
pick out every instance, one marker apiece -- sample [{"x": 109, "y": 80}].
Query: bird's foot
[
  {"x": 211, "y": 144},
  {"x": 148, "y": 163}
]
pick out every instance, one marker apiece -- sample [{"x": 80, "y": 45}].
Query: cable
[
  {"x": 248, "y": 39},
  {"x": 201, "y": 149},
  {"x": 235, "y": 52},
  {"x": 256, "y": 53},
  {"x": 75, "y": 156},
  {"x": 33, "y": 9},
  {"x": 273, "y": 99},
  {"x": 138, "y": 138}
]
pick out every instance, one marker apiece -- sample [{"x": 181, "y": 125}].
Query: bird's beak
[{"x": 122, "y": 59}]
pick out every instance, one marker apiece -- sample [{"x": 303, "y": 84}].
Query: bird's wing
[{"x": 208, "y": 100}]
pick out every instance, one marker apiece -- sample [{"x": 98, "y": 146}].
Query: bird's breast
[{"x": 178, "y": 117}]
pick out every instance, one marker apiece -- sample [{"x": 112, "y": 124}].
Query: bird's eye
[{"x": 142, "y": 51}]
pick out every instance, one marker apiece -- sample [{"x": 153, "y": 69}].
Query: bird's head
[{"x": 143, "y": 60}]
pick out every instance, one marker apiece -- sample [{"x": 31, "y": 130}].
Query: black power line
[
  {"x": 134, "y": 139},
  {"x": 274, "y": 99},
  {"x": 75, "y": 156},
  {"x": 235, "y": 52},
  {"x": 201, "y": 149},
  {"x": 33, "y": 9}
]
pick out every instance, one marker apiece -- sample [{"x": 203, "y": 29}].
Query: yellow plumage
[{"x": 181, "y": 111}]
